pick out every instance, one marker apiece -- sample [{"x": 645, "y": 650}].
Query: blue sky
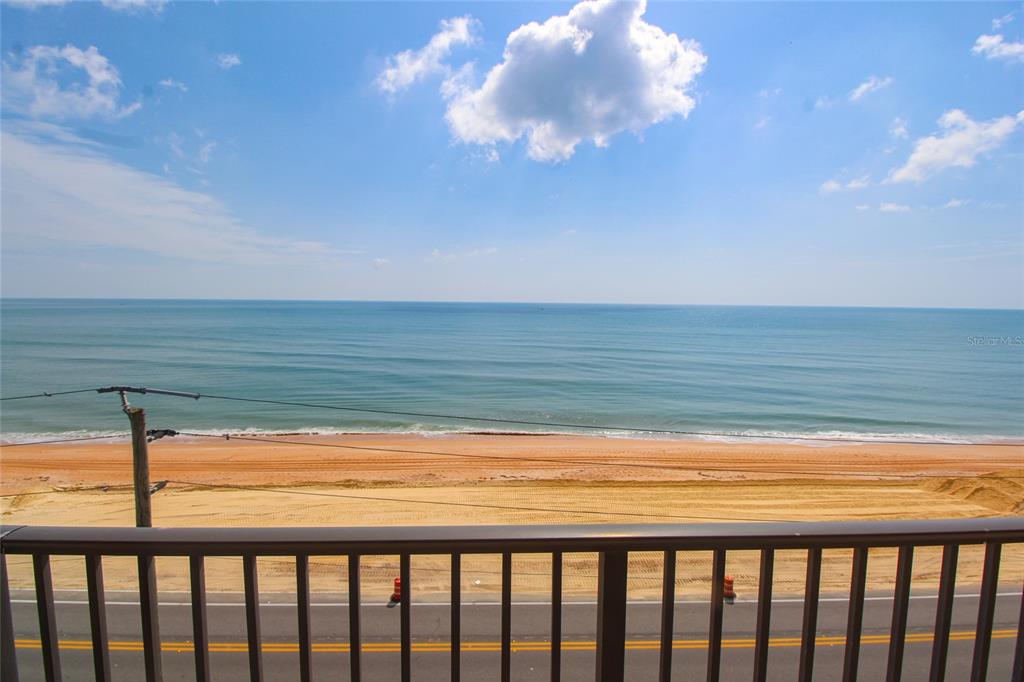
[{"x": 720, "y": 153}]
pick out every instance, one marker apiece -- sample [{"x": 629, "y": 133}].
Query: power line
[
  {"x": 547, "y": 460},
  {"x": 523, "y": 422},
  {"x": 470, "y": 504},
  {"x": 64, "y": 440},
  {"x": 44, "y": 394}
]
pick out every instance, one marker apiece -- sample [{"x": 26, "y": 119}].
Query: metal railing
[{"x": 612, "y": 542}]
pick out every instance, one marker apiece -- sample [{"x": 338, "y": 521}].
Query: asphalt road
[{"x": 530, "y": 631}]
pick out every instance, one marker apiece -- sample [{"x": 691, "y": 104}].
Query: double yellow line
[{"x": 469, "y": 647}]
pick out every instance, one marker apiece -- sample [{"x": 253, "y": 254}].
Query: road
[{"x": 480, "y": 627}]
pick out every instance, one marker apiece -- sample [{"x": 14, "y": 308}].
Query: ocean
[{"x": 859, "y": 373}]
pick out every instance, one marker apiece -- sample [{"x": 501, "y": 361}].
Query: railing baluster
[
  {"x": 611, "y": 615},
  {"x": 715, "y": 621},
  {"x": 456, "y": 624},
  {"x": 47, "y": 617},
  {"x": 810, "y": 620},
  {"x": 97, "y": 616},
  {"x": 8, "y": 657},
  {"x": 200, "y": 631},
  {"x": 944, "y": 613},
  {"x": 668, "y": 612},
  {"x": 354, "y": 640},
  {"x": 150, "y": 618},
  {"x": 986, "y": 611},
  {"x": 764, "y": 615},
  {"x": 556, "y": 616},
  {"x": 1018, "y": 652},
  {"x": 506, "y": 617},
  {"x": 405, "y": 605},
  {"x": 250, "y": 574},
  {"x": 900, "y": 602},
  {"x": 302, "y": 593},
  {"x": 855, "y": 617}
]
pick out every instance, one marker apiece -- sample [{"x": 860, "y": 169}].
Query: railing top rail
[{"x": 487, "y": 539}]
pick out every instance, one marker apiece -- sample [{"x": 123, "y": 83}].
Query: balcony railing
[{"x": 612, "y": 543}]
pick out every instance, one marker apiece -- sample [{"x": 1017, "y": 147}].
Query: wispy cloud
[
  {"x": 439, "y": 256},
  {"x": 886, "y": 207},
  {"x": 960, "y": 144},
  {"x": 898, "y": 128},
  {"x": 134, "y": 5},
  {"x": 409, "y": 66},
  {"x": 228, "y": 60},
  {"x": 830, "y": 186},
  {"x": 872, "y": 84},
  {"x": 47, "y": 82},
  {"x": 172, "y": 84},
  {"x": 997, "y": 47},
  {"x": 999, "y": 22},
  {"x": 66, "y": 191}
]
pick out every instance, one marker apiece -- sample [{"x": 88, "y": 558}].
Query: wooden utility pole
[
  {"x": 140, "y": 462},
  {"x": 140, "y": 465}
]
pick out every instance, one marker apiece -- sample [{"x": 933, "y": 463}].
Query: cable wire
[
  {"x": 44, "y": 394},
  {"x": 65, "y": 440},
  {"x": 561, "y": 425}
]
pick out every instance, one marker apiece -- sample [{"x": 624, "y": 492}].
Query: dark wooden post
[{"x": 140, "y": 466}]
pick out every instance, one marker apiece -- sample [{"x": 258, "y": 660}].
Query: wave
[{"x": 819, "y": 438}]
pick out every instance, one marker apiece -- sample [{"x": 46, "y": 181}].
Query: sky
[{"x": 695, "y": 153}]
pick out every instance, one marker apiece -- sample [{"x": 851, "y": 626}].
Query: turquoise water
[{"x": 911, "y": 373}]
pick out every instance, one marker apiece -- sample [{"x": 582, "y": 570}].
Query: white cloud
[
  {"x": 206, "y": 152},
  {"x": 588, "y": 75},
  {"x": 955, "y": 203},
  {"x": 46, "y": 81},
  {"x": 762, "y": 122},
  {"x": 228, "y": 60},
  {"x": 898, "y": 128},
  {"x": 872, "y": 84},
  {"x": 381, "y": 263},
  {"x": 830, "y": 186},
  {"x": 134, "y": 5},
  {"x": 33, "y": 4},
  {"x": 770, "y": 92},
  {"x": 893, "y": 208},
  {"x": 439, "y": 256},
  {"x": 824, "y": 102},
  {"x": 959, "y": 145},
  {"x": 862, "y": 207},
  {"x": 999, "y": 22},
  {"x": 66, "y": 193},
  {"x": 172, "y": 84},
  {"x": 410, "y": 66},
  {"x": 996, "y": 47}
]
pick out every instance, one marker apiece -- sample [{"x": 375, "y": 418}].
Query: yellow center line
[{"x": 444, "y": 647}]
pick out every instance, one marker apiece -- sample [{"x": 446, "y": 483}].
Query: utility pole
[
  {"x": 140, "y": 463},
  {"x": 140, "y": 447}
]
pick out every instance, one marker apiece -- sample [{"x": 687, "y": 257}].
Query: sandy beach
[{"x": 384, "y": 479}]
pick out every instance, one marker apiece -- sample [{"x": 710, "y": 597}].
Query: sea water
[{"x": 874, "y": 373}]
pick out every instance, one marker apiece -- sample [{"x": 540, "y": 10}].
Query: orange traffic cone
[
  {"x": 397, "y": 594},
  {"x": 728, "y": 592}
]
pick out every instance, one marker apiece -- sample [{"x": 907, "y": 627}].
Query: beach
[{"x": 386, "y": 479}]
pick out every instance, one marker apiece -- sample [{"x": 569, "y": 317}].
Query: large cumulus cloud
[{"x": 597, "y": 71}]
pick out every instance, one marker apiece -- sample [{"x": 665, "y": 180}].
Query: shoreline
[{"x": 814, "y": 439}]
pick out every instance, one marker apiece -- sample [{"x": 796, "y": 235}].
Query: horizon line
[{"x": 503, "y": 302}]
